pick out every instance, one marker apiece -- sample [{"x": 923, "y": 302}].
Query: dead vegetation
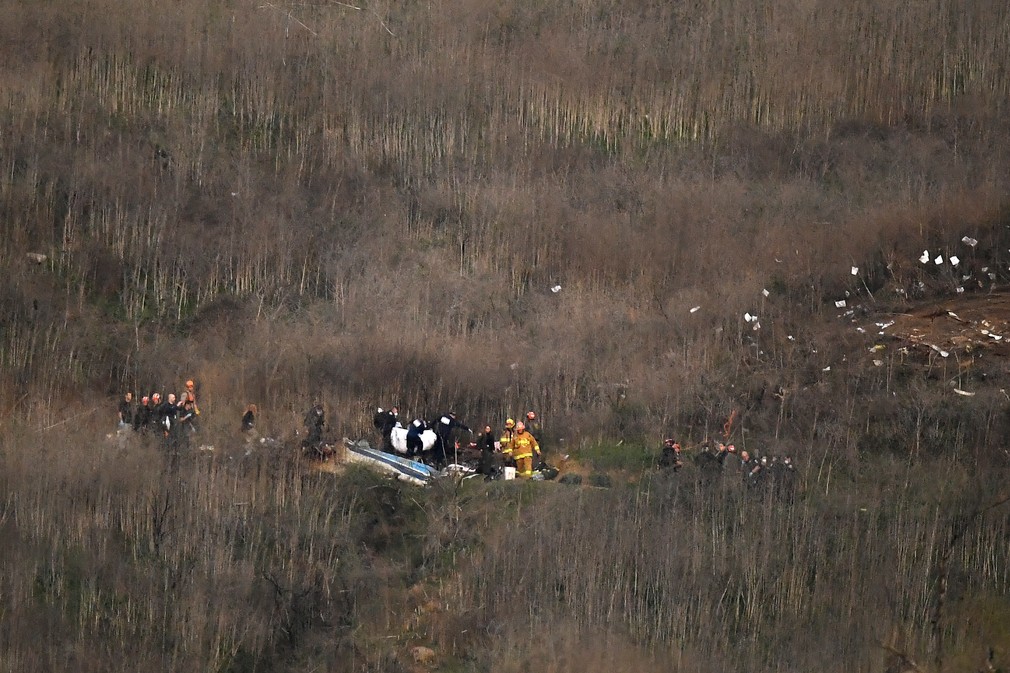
[{"x": 373, "y": 204}]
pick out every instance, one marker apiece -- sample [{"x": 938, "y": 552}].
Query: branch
[
  {"x": 355, "y": 7},
  {"x": 290, "y": 16}
]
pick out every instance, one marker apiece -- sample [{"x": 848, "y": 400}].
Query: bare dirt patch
[{"x": 956, "y": 325}]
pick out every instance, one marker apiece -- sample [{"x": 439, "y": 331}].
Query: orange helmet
[
  {"x": 520, "y": 426},
  {"x": 190, "y": 384},
  {"x": 530, "y": 415}
]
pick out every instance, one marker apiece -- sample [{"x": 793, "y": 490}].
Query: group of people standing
[
  {"x": 174, "y": 417},
  {"x": 780, "y": 471},
  {"x": 518, "y": 443},
  {"x": 515, "y": 446}
]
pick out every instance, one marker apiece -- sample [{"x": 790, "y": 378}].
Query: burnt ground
[{"x": 955, "y": 326}]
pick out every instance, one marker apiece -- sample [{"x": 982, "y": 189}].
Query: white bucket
[{"x": 510, "y": 473}]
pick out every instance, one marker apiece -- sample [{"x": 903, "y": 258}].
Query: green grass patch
[{"x": 631, "y": 457}]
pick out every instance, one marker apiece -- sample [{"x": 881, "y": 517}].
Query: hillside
[{"x": 634, "y": 218}]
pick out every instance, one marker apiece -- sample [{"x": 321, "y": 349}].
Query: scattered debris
[
  {"x": 765, "y": 292},
  {"x": 695, "y": 309},
  {"x": 840, "y": 303},
  {"x": 855, "y": 271},
  {"x": 970, "y": 241},
  {"x": 959, "y": 324},
  {"x": 954, "y": 260},
  {"x": 925, "y": 257},
  {"x": 37, "y": 257},
  {"x": 963, "y": 392},
  {"x": 556, "y": 289}
]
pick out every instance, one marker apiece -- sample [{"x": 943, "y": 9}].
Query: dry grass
[{"x": 371, "y": 206}]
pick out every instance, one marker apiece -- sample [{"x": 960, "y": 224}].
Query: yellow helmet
[{"x": 509, "y": 423}]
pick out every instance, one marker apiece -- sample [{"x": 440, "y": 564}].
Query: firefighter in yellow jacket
[
  {"x": 506, "y": 437},
  {"x": 524, "y": 445}
]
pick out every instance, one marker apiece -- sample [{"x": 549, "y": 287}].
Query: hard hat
[
  {"x": 520, "y": 426},
  {"x": 379, "y": 410},
  {"x": 530, "y": 415},
  {"x": 144, "y": 400},
  {"x": 156, "y": 396},
  {"x": 190, "y": 384},
  {"x": 509, "y": 423}
]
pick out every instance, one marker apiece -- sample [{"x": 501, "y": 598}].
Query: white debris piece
[
  {"x": 37, "y": 257},
  {"x": 765, "y": 292},
  {"x": 840, "y": 303},
  {"x": 963, "y": 392},
  {"x": 855, "y": 271},
  {"x": 791, "y": 337},
  {"x": 939, "y": 350},
  {"x": 969, "y": 241},
  {"x": 925, "y": 256},
  {"x": 757, "y": 326},
  {"x": 750, "y": 318},
  {"x": 695, "y": 309},
  {"x": 954, "y": 260},
  {"x": 997, "y": 337},
  {"x": 827, "y": 369},
  {"x": 960, "y": 290},
  {"x": 939, "y": 260},
  {"x": 556, "y": 289},
  {"x": 885, "y": 325},
  {"x": 877, "y": 363},
  {"x": 514, "y": 366},
  {"x": 861, "y": 330}
]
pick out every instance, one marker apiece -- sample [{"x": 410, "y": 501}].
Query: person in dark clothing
[
  {"x": 126, "y": 411},
  {"x": 142, "y": 417},
  {"x": 414, "y": 443},
  {"x": 155, "y": 420},
  {"x": 444, "y": 427},
  {"x": 249, "y": 419},
  {"x": 533, "y": 424},
  {"x": 384, "y": 421},
  {"x": 670, "y": 457},
  {"x": 184, "y": 423},
  {"x": 167, "y": 414},
  {"x": 315, "y": 421},
  {"x": 489, "y": 463}
]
